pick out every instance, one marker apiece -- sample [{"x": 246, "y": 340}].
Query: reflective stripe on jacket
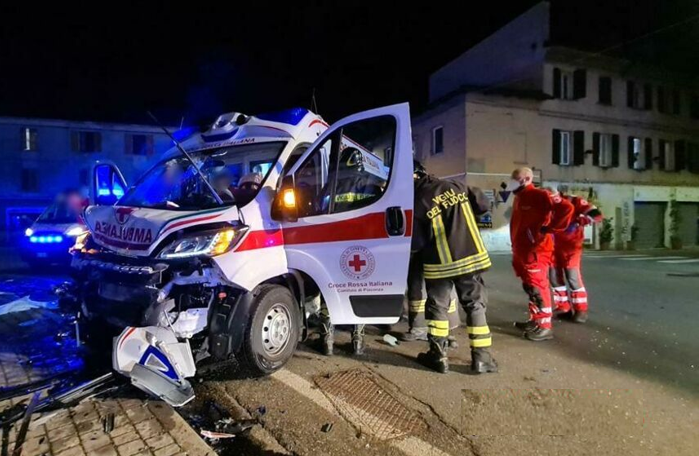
[{"x": 445, "y": 231}]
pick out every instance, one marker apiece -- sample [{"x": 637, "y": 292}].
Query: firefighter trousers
[
  {"x": 532, "y": 267},
  {"x": 566, "y": 277},
  {"x": 417, "y": 299},
  {"x": 472, "y": 295}
]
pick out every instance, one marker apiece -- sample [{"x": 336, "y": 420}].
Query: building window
[
  {"x": 139, "y": 144},
  {"x": 664, "y": 100},
  {"x": 605, "y": 90},
  {"x": 676, "y": 102},
  {"x": 438, "y": 140},
  {"x": 605, "y": 149},
  {"x": 569, "y": 85},
  {"x": 637, "y": 157},
  {"x": 86, "y": 141},
  {"x": 562, "y": 147},
  {"x": 30, "y": 139},
  {"x": 29, "y": 183},
  {"x": 639, "y": 96}
]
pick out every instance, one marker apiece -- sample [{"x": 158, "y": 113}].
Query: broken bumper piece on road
[{"x": 156, "y": 362}]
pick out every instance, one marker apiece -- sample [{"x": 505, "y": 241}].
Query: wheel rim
[{"x": 276, "y": 329}]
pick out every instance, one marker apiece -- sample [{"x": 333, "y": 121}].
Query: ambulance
[{"x": 223, "y": 249}]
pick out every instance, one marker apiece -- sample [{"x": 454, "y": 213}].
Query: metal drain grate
[{"x": 367, "y": 406}]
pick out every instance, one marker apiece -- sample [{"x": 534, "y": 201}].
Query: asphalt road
[{"x": 627, "y": 382}]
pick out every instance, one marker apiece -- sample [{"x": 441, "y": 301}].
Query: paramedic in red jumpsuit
[
  {"x": 568, "y": 246},
  {"x": 535, "y": 215}
]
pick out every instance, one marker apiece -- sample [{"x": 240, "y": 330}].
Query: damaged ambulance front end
[{"x": 168, "y": 277}]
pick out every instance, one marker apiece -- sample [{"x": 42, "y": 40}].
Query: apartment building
[
  {"x": 621, "y": 133},
  {"x": 41, "y": 157}
]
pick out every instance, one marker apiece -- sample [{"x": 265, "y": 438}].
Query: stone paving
[{"x": 141, "y": 427}]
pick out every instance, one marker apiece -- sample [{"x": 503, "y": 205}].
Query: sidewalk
[{"x": 141, "y": 427}]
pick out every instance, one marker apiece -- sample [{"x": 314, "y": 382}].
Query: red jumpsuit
[
  {"x": 535, "y": 214},
  {"x": 568, "y": 247}
]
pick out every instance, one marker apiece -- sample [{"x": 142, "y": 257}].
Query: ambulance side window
[
  {"x": 363, "y": 168},
  {"x": 310, "y": 181}
]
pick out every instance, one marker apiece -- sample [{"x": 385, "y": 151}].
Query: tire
[{"x": 272, "y": 331}]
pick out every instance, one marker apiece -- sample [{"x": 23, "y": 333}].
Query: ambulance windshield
[{"x": 236, "y": 173}]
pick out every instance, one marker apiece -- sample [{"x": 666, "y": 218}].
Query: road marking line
[
  {"x": 636, "y": 258},
  {"x": 692, "y": 260},
  {"x": 412, "y": 446},
  {"x": 654, "y": 258}
]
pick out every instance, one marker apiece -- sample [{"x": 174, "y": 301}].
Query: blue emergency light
[{"x": 48, "y": 239}]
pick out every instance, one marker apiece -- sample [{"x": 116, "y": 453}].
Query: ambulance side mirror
[{"x": 285, "y": 206}]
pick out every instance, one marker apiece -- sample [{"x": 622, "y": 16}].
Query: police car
[
  {"x": 49, "y": 238},
  {"x": 193, "y": 265}
]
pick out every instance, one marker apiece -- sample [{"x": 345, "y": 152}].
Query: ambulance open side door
[
  {"x": 346, "y": 210},
  {"x": 108, "y": 184}
]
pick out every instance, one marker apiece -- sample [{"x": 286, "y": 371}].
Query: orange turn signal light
[{"x": 289, "y": 198}]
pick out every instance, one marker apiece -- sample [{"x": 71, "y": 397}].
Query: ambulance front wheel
[{"x": 272, "y": 331}]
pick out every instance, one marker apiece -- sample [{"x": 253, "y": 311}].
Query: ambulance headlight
[
  {"x": 28, "y": 232},
  {"x": 209, "y": 244},
  {"x": 75, "y": 231}
]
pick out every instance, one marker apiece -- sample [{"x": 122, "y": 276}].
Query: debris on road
[
  {"x": 215, "y": 435},
  {"x": 327, "y": 427},
  {"x": 390, "y": 340},
  {"x": 108, "y": 423}
]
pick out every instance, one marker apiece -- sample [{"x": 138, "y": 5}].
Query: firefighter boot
[
  {"x": 358, "y": 340},
  {"x": 436, "y": 357},
  {"x": 482, "y": 361},
  {"x": 327, "y": 337},
  {"x": 539, "y": 334},
  {"x": 414, "y": 334}
]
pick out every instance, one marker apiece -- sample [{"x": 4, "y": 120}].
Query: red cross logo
[
  {"x": 122, "y": 214},
  {"x": 357, "y": 263}
]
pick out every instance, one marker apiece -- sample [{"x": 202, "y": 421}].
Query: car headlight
[
  {"x": 210, "y": 244},
  {"x": 28, "y": 232},
  {"x": 76, "y": 230}
]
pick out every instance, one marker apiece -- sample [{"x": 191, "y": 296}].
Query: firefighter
[
  {"x": 417, "y": 297},
  {"x": 568, "y": 246},
  {"x": 535, "y": 215},
  {"x": 449, "y": 245}
]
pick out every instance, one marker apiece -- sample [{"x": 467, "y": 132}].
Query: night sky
[{"x": 113, "y": 62}]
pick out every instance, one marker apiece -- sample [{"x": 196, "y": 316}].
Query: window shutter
[
  {"x": 596, "y": 146},
  {"x": 661, "y": 153},
  {"x": 629, "y": 94},
  {"x": 556, "y": 83},
  {"x": 605, "y": 90},
  {"x": 649, "y": 153},
  {"x": 98, "y": 141},
  {"x": 128, "y": 144},
  {"x": 630, "y": 158},
  {"x": 692, "y": 157},
  {"x": 75, "y": 141},
  {"x": 615, "y": 151},
  {"x": 579, "y": 84},
  {"x": 556, "y": 149},
  {"x": 680, "y": 154},
  {"x": 579, "y": 148},
  {"x": 647, "y": 96}
]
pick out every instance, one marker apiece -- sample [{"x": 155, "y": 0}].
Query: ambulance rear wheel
[{"x": 272, "y": 331}]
